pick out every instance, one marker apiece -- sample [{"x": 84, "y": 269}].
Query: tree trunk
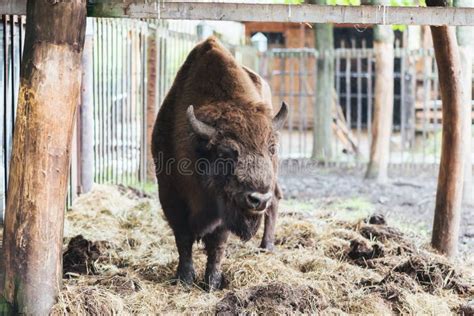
[
  {"x": 87, "y": 113},
  {"x": 50, "y": 83},
  {"x": 152, "y": 85},
  {"x": 383, "y": 103},
  {"x": 450, "y": 179},
  {"x": 322, "y": 108},
  {"x": 465, "y": 36}
]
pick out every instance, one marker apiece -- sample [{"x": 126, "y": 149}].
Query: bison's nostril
[{"x": 256, "y": 200}]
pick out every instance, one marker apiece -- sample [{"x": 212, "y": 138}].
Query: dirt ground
[
  {"x": 332, "y": 257},
  {"x": 407, "y": 200}
]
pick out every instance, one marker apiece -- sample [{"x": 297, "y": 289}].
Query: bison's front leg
[
  {"x": 268, "y": 240},
  {"x": 184, "y": 243},
  {"x": 215, "y": 247}
]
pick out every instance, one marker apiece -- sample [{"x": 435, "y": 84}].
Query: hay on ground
[{"x": 120, "y": 259}]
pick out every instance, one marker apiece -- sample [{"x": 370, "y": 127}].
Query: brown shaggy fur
[{"x": 236, "y": 102}]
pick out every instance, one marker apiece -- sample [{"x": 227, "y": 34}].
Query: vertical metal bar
[
  {"x": 118, "y": 102},
  {"x": 338, "y": 73},
  {"x": 125, "y": 100},
  {"x": 113, "y": 95},
  {"x": 95, "y": 39},
  {"x": 118, "y": 98},
  {"x": 136, "y": 105},
  {"x": 270, "y": 67},
  {"x": 21, "y": 35},
  {"x": 143, "y": 125},
  {"x": 305, "y": 75},
  {"x": 312, "y": 99},
  {"x": 101, "y": 109},
  {"x": 106, "y": 105},
  {"x": 403, "y": 115},
  {"x": 117, "y": 140},
  {"x": 413, "y": 108},
  {"x": 359, "y": 96},
  {"x": 3, "y": 178},
  {"x": 139, "y": 102},
  {"x": 131, "y": 101},
  {"x": 163, "y": 64},
  {"x": 292, "y": 99},
  {"x": 131, "y": 109},
  {"x": 337, "y": 57},
  {"x": 109, "y": 103},
  {"x": 7, "y": 98},
  {"x": 101, "y": 105},
  {"x": 14, "y": 66},
  {"x": 300, "y": 103},
  {"x": 370, "y": 56},
  {"x": 426, "y": 100},
  {"x": 348, "y": 89},
  {"x": 282, "y": 88}
]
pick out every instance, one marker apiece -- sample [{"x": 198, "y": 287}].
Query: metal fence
[
  {"x": 119, "y": 93},
  {"x": 12, "y": 30},
  {"x": 120, "y": 96},
  {"x": 119, "y": 55},
  {"x": 416, "y": 134}
]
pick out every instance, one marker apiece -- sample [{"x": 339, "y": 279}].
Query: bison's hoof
[
  {"x": 214, "y": 281},
  {"x": 268, "y": 246},
  {"x": 186, "y": 276}
]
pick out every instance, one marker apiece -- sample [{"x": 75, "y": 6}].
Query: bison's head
[{"x": 239, "y": 146}]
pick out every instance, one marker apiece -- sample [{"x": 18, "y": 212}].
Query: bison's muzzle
[{"x": 257, "y": 202}]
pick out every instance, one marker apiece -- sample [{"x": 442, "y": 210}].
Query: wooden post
[
  {"x": 465, "y": 37},
  {"x": 450, "y": 179},
  {"x": 49, "y": 94},
  {"x": 383, "y": 104},
  {"x": 322, "y": 113},
  {"x": 152, "y": 100},
  {"x": 87, "y": 112}
]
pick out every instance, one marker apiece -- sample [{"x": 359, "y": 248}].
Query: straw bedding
[{"x": 120, "y": 258}]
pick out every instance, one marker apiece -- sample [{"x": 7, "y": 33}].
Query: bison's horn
[
  {"x": 280, "y": 118},
  {"x": 199, "y": 127}
]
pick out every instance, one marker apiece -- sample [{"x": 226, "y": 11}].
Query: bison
[{"x": 214, "y": 144}]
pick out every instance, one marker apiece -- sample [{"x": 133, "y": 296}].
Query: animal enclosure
[
  {"x": 119, "y": 97},
  {"x": 417, "y": 107},
  {"x": 334, "y": 255}
]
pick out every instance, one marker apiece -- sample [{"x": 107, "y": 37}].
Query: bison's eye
[
  {"x": 226, "y": 153},
  {"x": 272, "y": 149}
]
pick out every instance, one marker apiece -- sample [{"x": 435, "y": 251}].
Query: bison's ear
[
  {"x": 200, "y": 128},
  {"x": 280, "y": 118}
]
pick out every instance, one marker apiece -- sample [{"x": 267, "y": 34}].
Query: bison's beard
[{"x": 242, "y": 224}]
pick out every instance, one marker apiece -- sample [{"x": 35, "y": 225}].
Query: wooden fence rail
[{"x": 304, "y": 13}]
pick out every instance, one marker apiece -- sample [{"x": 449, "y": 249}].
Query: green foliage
[
  {"x": 292, "y": 1},
  {"x": 328, "y": 2},
  {"x": 343, "y": 2},
  {"x": 402, "y": 3}
]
